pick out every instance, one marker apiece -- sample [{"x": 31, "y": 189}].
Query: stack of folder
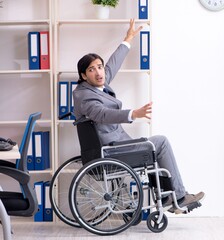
[
  {"x": 65, "y": 101},
  {"x": 38, "y": 50},
  {"x": 38, "y": 156},
  {"x": 44, "y": 213}
]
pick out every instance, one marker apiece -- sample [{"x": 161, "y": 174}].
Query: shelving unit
[
  {"x": 24, "y": 91},
  {"x": 72, "y": 33},
  {"x": 76, "y": 33}
]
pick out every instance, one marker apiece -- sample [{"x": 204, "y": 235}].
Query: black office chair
[{"x": 22, "y": 203}]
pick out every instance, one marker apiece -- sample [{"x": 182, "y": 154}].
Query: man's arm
[{"x": 115, "y": 61}]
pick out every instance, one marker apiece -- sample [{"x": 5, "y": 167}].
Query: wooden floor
[{"x": 178, "y": 228}]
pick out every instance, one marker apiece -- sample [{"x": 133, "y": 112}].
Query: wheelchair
[{"x": 107, "y": 185}]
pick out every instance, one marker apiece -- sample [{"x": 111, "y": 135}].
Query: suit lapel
[{"x": 99, "y": 92}]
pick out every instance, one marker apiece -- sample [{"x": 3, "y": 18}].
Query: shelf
[
  {"x": 46, "y": 171},
  {"x": 24, "y": 71},
  {"x": 24, "y": 122},
  {"x": 32, "y": 22},
  {"x": 120, "y": 71},
  {"x": 70, "y": 122},
  {"x": 99, "y": 21}
]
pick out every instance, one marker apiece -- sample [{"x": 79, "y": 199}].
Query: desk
[{"x": 12, "y": 154}]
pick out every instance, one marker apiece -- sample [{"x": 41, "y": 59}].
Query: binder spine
[
  {"x": 44, "y": 50},
  {"x": 34, "y": 50},
  {"x": 63, "y": 98},
  {"x": 143, "y": 9},
  {"x": 144, "y": 49},
  {"x": 73, "y": 85}
]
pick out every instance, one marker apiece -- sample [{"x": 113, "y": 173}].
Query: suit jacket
[{"x": 102, "y": 108}]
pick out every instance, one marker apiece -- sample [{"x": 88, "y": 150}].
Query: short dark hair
[{"x": 84, "y": 63}]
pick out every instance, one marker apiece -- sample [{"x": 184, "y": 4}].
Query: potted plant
[
  {"x": 109, "y": 3},
  {"x": 103, "y": 7}
]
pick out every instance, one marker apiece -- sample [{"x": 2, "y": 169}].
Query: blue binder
[
  {"x": 30, "y": 157},
  {"x": 48, "y": 213},
  {"x": 73, "y": 85},
  {"x": 144, "y": 50},
  {"x": 146, "y": 199},
  {"x": 39, "y": 189},
  {"x": 63, "y": 98},
  {"x": 41, "y": 156},
  {"x": 34, "y": 50},
  {"x": 146, "y": 202},
  {"x": 143, "y": 9}
]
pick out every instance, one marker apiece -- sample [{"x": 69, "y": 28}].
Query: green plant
[{"x": 110, "y": 3}]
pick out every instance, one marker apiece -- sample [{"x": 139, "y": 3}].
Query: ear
[{"x": 84, "y": 76}]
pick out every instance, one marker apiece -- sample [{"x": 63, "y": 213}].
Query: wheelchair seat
[{"x": 126, "y": 151}]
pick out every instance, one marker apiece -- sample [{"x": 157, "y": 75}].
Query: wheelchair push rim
[{"x": 100, "y": 197}]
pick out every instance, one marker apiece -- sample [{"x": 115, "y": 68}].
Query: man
[{"x": 95, "y": 99}]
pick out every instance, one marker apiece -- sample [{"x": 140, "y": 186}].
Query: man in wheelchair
[{"x": 96, "y": 100}]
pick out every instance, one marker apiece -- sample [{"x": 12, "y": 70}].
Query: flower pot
[{"x": 102, "y": 12}]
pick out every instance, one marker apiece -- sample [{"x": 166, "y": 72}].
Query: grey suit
[
  {"x": 102, "y": 108},
  {"x": 107, "y": 112}
]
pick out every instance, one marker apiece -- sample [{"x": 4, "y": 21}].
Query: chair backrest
[
  {"x": 89, "y": 141},
  {"x": 21, "y": 163},
  {"x": 27, "y": 190}
]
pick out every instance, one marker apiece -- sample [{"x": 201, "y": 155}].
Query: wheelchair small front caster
[{"x": 152, "y": 222}]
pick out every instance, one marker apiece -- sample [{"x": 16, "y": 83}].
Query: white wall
[{"x": 188, "y": 84}]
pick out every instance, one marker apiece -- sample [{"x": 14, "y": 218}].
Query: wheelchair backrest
[{"x": 89, "y": 141}]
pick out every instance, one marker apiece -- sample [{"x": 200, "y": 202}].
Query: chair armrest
[
  {"x": 20, "y": 176},
  {"x": 131, "y": 141},
  {"x": 7, "y": 164}
]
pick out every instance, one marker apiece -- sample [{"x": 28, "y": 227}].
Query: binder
[
  {"x": 46, "y": 145},
  {"x": 48, "y": 213},
  {"x": 44, "y": 50},
  {"x": 30, "y": 158},
  {"x": 146, "y": 201},
  {"x": 39, "y": 216},
  {"x": 63, "y": 98},
  {"x": 143, "y": 9},
  {"x": 73, "y": 86},
  {"x": 146, "y": 198},
  {"x": 42, "y": 159},
  {"x": 144, "y": 50},
  {"x": 34, "y": 50}
]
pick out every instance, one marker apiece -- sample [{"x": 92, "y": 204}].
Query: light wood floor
[{"x": 178, "y": 229}]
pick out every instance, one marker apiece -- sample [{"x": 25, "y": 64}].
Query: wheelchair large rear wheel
[
  {"x": 59, "y": 190},
  {"x": 100, "y": 196}
]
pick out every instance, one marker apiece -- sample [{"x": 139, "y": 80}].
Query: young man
[{"x": 95, "y": 99}]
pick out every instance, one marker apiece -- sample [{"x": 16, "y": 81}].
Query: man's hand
[
  {"x": 132, "y": 32},
  {"x": 144, "y": 111}
]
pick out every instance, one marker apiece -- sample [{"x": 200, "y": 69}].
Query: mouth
[{"x": 99, "y": 79}]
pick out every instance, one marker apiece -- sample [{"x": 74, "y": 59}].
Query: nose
[{"x": 97, "y": 71}]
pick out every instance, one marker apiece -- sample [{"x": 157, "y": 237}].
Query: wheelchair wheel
[
  {"x": 100, "y": 197},
  {"x": 152, "y": 222},
  {"x": 59, "y": 190}
]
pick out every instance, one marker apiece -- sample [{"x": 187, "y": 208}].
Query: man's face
[{"x": 95, "y": 74}]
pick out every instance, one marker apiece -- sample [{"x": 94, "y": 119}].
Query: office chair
[{"x": 22, "y": 203}]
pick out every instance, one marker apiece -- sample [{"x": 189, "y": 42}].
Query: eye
[{"x": 91, "y": 70}]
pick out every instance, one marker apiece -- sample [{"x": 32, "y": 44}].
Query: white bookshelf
[{"x": 25, "y": 91}]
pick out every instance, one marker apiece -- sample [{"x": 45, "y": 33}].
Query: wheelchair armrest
[
  {"x": 131, "y": 141},
  {"x": 7, "y": 164},
  {"x": 61, "y": 117},
  {"x": 20, "y": 176}
]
